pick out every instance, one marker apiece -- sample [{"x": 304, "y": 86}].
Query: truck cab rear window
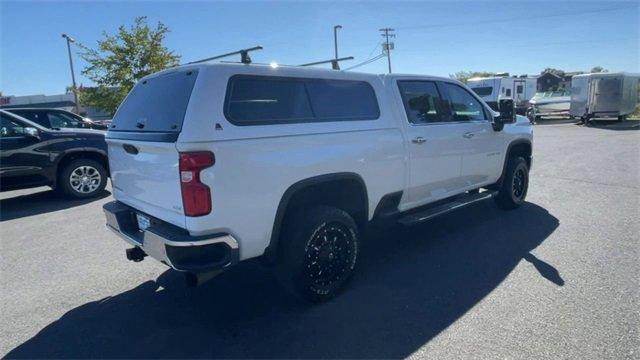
[
  {"x": 263, "y": 100},
  {"x": 157, "y": 104}
]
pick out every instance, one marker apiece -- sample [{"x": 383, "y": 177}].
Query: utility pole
[
  {"x": 73, "y": 76},
  {"x": 335, "y": 38},
  {"x": 388, "y": 46}
]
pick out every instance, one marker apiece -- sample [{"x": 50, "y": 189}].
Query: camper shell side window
[{"x": 269, "y": 100}]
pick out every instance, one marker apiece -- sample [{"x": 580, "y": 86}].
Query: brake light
[{"x": 196, "y": 196}]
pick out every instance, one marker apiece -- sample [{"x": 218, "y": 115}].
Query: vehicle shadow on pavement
[
  {"x": 615, "y": 125},
  {"x": 412, "y": 283},
  {"x": 556, "y": 121},
  {"x": 40, "y": 203}
]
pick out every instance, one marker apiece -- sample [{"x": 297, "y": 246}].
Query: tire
[
  {"x": 587, "y": 120},
  {"x": 82, "y": 179},
  {"x": 323, "y": 239},
  {"x": 530, "y": 116},
  {"x": 515, "y": 184}
]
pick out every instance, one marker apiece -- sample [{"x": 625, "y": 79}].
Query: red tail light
[{"x": 196, "y": 196}]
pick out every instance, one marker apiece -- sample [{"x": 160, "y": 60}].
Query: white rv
[
  {"x": 492, "y": 89},
  {"x": 604, "y": 95}
]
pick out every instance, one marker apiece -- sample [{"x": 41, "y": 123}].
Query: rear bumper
[{"x": 170, "y": 244}]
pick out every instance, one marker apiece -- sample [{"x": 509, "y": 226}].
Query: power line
[
  {"x": 366, "y": 62},
  {"x": 534, "y": 46},
  {"x": 545, "y": 44},
  {"x": 455, "y": 24},
  {"x": 374, "y": 48}
]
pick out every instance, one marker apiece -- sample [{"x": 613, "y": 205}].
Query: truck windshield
[
  {"x": 483, "y": 90},
  {"x": 157, "y": 104}
]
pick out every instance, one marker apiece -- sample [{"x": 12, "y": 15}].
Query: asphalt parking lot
[{"x": 557, "y": 278}]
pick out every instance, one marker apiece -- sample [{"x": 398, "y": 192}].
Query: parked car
[
  {"x": 72, "y": 161},
  {"x": 57, "y": 118},
  {"x": 604, "y": 95},
  {"x": 103, "y": 122},
  {"x": 213, "y": 164}
]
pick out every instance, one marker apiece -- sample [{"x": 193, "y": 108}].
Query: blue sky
[{"x": 437, "y": 38}]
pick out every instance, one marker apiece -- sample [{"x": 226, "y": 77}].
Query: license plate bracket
[{"x": 143, "y": 221}]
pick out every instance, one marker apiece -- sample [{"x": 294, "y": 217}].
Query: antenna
[
  {"x": 244, "y": 55},
  {"x": 334, "y": 62}
]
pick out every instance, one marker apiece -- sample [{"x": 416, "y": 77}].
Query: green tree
[
  {"x": 121, "y": 60},
  {"x": 553, "y": 71},
  {"x": 466, "y": 75},
  {"x": 598, "y": 69}
]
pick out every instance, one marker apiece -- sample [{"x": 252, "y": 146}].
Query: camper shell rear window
[
  {"x": 268, "y": 100},
  {"x": 157, "y": 104}
]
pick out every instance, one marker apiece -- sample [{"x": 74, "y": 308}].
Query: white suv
[{"x": 212, "y": 164}]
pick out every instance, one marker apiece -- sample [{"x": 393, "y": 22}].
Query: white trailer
[
  {"x": 604, "y": 95},
  {"x": 492, "y": 89}
]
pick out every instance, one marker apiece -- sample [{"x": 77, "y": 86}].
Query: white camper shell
[
  {"x": 492, "y": 89},
  {"x": 212, "y": 164},
  {"x": 604, "y": 95}
]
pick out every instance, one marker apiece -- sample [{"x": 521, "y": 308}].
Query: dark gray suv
[
  {"x": 72, "y": 161},
  {"x": 57, "y": 118}
]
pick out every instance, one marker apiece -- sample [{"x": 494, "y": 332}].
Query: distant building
[
  {"x": 550, "y": 81},
  {"x": 62, "y": 101}
]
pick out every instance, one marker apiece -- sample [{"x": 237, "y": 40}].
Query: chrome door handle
[
  {"x": 419, "y": 140},
  {"x": 468, "y": 135}
]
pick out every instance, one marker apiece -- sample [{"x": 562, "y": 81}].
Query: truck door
[
  {"x": 435, "y": 143},
  {"x": 481, "y": 147}
]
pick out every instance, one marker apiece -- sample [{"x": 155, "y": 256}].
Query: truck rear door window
[
  {"x": 263, "y": 100},
  {"x": 157, "y": 104}
]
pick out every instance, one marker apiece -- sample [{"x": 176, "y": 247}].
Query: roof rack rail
[
  {"x": 244, "y": 56},
  {"x": 334, "y": 62}
]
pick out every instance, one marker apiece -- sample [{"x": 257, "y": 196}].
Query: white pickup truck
[{"x": 212, "y": 164}]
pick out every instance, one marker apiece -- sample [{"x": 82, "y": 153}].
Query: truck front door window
[
  {"x": 463, "y": 105},
  {"x": 422, "y": 102}
]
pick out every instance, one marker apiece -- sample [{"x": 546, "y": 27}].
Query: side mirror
[
  {"x": 507, "y": 114},
  {"x": 31, "y": 132}
]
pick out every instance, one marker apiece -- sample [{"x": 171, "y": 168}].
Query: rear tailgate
[
  {"x": 143, "y": 158},
  {"x": 147, "y": 180}
]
